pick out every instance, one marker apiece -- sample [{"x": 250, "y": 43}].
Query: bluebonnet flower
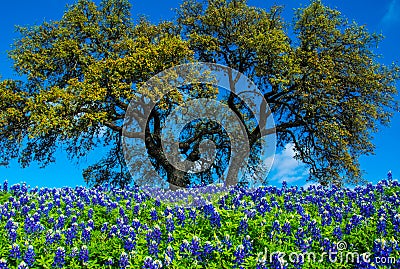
[
  {"x": 51, "y": 220},
  {"x": 168, "y": 211},
  {"x": 170, "y": 238},
  {"x": 239, "y": 254},
  {"x": 305, "y": 218},
  {"x": 326, "y": 244},
  {"x": 275, "y": 228},
  {"x": 12, "y": 234},
  {"x": 74, "y": 252},
  {"x": 49, "y": 237},
  {"x": 313, "y": 230},
  {"x": 113, "y": 231},
  {"x": 90, "y": 213},
  {"x": 207, "y": 250},
  {"x": 5, "y": 186},
  {"x": 227, "y": 241},
  {"x": 153, "y": 248},
  {"x": 124, "y": 230},
  {"x": 286, "y": 228},
  {"x": 86, "y": 235},
  {"x": 56, "y": 237},
  {"x": 326, "y": 218},
  {"x": 169, "y": 255},
  {"x": 74, "y": 218},
  {"x": 90, "y": 224},
  {"x": 29, "y": 225},
  {"x": 3, "y": 264},
  {"x": 153, "y": 235},
  {"x": 194, "y": 246},
  {"x": 123, "y": 261},
  {"x": 288, "y": 205},
  {"x": 215, "y": 219},
  {"x": 104, "y": 227},
  {"x": 389, "y": 175},
  {"x": 10, "y": 224},
  {"x": 192, "y": 214},
  {"x": 59, "y": 258},
  {"x": 136, "y": 209},
  {"x": 157, "y": 234},
  {"x": 129, "y": 244},
  {"x": 60, "y": 222},
  {"x": 15, "y": 251},
  {"x": 70, "y": 235},
  {"x": 25, "y": 210},
  {"x": 150, "y": 264},
  {"x": 23, "y": 265},
  {"x": 381, "y": 226},
  {"x": 381, "y": 211},
  {"x": 68, "y": 211},
  {"x": 250, "y": 214},
  {"x": 180, "y": 214},
  {"x": 184, "y": 246},
  {"x": 396, "y": 223},
  {"x": 136, "y": 224},
  {"x": 153, "y": 214},
  {"x": 338, "y": 233},
  {"x": 277, "y": 262},
  {"x": 121, "y": 211},
  {"x": 169, "y": 223},
  {"x": 167, "y": 260},
  {"x": 263, "y": 206},
  {"x": 84, "y": 254},
  {"x": 367, "y": 209},
  {"x": 300, "y": 239},
  {"x": 243, "y": 225},
  {"x": 247, "y": 244},
  {"x": 354, "y": 222},
  {"x": 29, "y": 256}
]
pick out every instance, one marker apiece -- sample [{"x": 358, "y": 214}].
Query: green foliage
[{"x": 299, "y": 208}]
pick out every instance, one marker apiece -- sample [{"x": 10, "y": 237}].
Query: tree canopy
[{"x": 324, "y": 85}]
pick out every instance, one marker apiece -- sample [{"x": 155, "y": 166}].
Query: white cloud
[
  {"x": 286, "y": 168},
  {"x": 392, "y": 14},
  {"x": 308, "y": 184}
]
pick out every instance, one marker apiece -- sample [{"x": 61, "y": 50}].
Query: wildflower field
[{"x": 211, "y": 227}]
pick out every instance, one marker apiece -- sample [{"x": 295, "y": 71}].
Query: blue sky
[{"x": 379, "y": 16}]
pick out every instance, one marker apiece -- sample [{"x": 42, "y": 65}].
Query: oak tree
[{"x": 324, "y": 85}]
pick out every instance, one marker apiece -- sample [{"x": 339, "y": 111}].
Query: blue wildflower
[
  {"x": 59, "y": 258},
  {"x": 243, "y": 225},
  {"x": 29, "y": 257},
  {"x": 239, "y": 254},
  {"x": 23, "y": 265},
  {"x": 338, "y": 233},
  {"x": 15, "y": 251},
  {"x": 3, "y": 264},
  {"x": 129, "y": 244},
  {"x": 74, "y": 252},
  {"x": 85, "y": 237},
  {"x": 84, "y": 254},
  {"x": 123, "y": 261}
]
